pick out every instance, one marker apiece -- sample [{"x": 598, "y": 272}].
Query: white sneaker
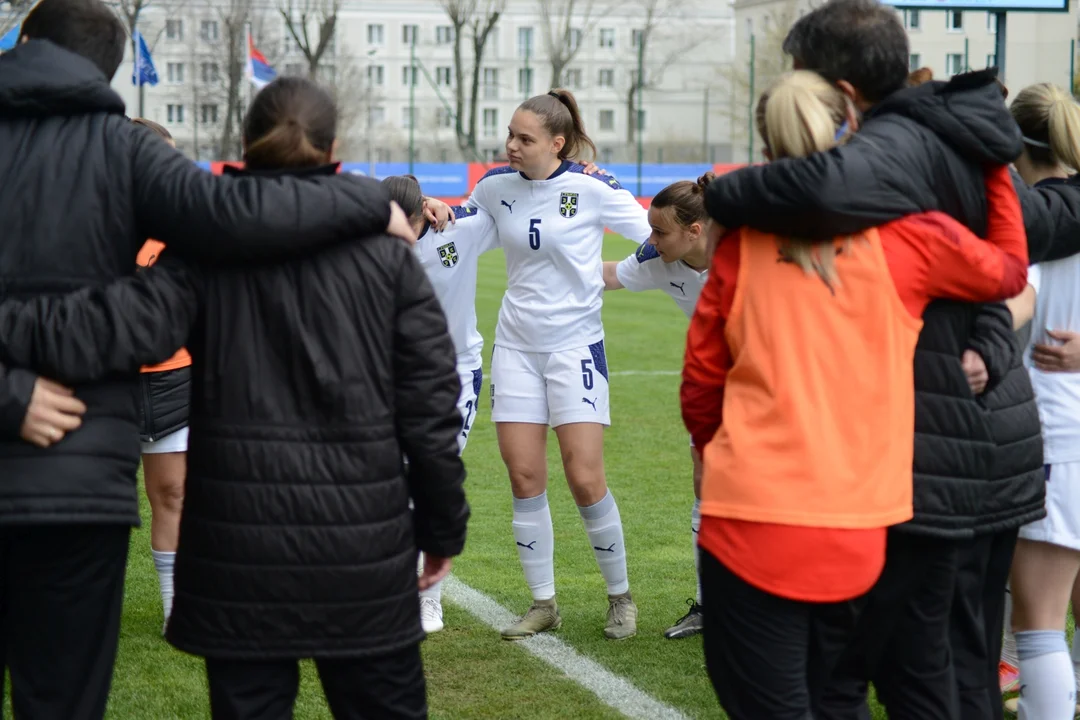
[{"x": 431, "y": 615}]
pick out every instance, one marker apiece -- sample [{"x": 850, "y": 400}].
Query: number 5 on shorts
[{"x": 586, "y": 374}]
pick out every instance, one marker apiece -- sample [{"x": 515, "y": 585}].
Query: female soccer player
[
  {"x": 798, "y": 386},
  {"x": 675, "y": 260},
  {"x": 163, "y": 410},
  {"x": 449, "y": 258},
  {"x": 548, "y": 366},
  {"x": 1046, "y": 567}
]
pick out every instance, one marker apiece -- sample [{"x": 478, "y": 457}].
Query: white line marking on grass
[
  {"x": 646, "y": 372},
  {"x": 615, "y": 691}
]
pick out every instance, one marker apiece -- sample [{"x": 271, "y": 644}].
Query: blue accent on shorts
[{"x": 599, "y": 358}]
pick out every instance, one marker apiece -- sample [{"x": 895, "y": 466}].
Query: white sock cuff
[
  {"x": 533, "y": 504},
  {"x": 598, "y": 510},
  {"x": 1035, "y": 643}
]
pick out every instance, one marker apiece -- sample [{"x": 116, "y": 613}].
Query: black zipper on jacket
[{"x": 148, "y": 415}]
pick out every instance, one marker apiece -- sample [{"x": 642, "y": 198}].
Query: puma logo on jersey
[
  {"x": 529, "y": 546},
  {"x": 509, "y": 205},
  {"x": 679, "y": 286},
  {"x": 610, "y": 549},
  {"x": 590, "y": 402}
]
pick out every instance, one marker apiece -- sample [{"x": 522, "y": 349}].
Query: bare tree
[
  {"x": 130, "y": 10},
  {"x": 479, "y": 17},
  {"x": 234, "y": 16},
  {"x": 562, "y": 40},
  {"x": 747, "y": 81},
  {"x": 300, "y": 17},
  {"x": 667, "y": 33}
]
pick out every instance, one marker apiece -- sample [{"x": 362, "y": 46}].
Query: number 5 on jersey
[{"x": 534, "y": 233}]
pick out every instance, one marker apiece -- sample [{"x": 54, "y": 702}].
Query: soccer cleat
[
  {"x": 621, "y": 617},
  {"x": 431, "y": 615},
  {"x": 692, "y": 623},
  {"x": 541, "y": 617},
  {"x": 1008, "y": 677}
]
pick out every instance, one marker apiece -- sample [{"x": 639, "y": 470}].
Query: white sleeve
[
  {"x": 476, "y": 198},
  {"x": 623, "y": 213},
  {"x": 634, "y": 274},
  {"x": 1034, "y": 277},
  {"x": 476, "y": 228}
]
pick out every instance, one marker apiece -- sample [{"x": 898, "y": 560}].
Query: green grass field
[{"x": 471, "y": 672}]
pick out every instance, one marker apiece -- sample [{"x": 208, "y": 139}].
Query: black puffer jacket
[
  {"x": 82, "y": 189},
  {"x": 164, "y": 399},
  {"x": 977, "y": 461},
  {"x": 311, "y": 381}
]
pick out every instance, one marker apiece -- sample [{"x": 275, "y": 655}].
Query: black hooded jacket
[
  {"x": 978, "y": 461},
  {"x": 82, "y": 188}
]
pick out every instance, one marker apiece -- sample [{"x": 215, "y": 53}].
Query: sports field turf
[{"x": 471, "y": 672}]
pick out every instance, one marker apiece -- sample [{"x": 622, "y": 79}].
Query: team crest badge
[
  {"x": 568, "y": 204},
  {"x": 448, "y": 255}
]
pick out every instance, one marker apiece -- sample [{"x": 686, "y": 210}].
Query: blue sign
[
  {"x": 654, "y": 178},
  {"x": 987, "y": 5},
  {"x": 436, "y": 179}
]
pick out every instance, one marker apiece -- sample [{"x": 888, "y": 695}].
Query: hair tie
[
  {"x": 1035, "y": 143},
  {"x": 555, "y": 95}
]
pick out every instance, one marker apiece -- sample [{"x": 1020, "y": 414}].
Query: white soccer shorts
[
  {"x": 468, "y": 402},
  {"x": 176, "y": 442},
  {"x": 553, "y": 389}
]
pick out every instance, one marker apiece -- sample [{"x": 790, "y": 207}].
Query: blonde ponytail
[
  {"x": 800, "y": 114},
  {"x": 1049, "y": 121}
]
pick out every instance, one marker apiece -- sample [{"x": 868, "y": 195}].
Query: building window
[
  {"x": 209, "y": 114},
  {"x": 444, "y": 76},
  {"x": 444, "y": 118},
  {"x": 375, "y": 34},
  {"x": 491, "y": 122},
  {"x": 912, "y": 20},
  {"x": 607, "y": 37},
  {"x": 607, "y": 119},
  {"x": 525, "y": 81},
  {"x": 408, "y": 34},
  {"x": 640, "y": 124},
  {"x": 954, "y": 21},
  {"x": 914, "y": 61},
  {"x": 991, "y": 60},
  {"x": 572, "y": 79},
  {"x": 377, "y": 115},
  {"x": 210, "y": 73},
  {"x": 407, "y": 117},
  {"x": 175, "y": 73},
  {"x": 575, "y": 39},
  {"x": 991, "y": 22},
  {"x": 635, "y": 39},
  {"x": 954, "y": 64},
  {"x": 491, "y": 84},
  {"x": 208, "y": 30},
  {"x": 406, "y": 73},
  {"x": 607, "y": 78},
  {"x": 174, "y": 29},
  {"x": 749, "y": 28},
  {"x": 174, "y": 113},
  {"x": 525, "y": 42},
  {"x": 444, "y": 35},
  {"x": 375, "y": 75},
  {"x": 294, "y": 69},
  {"x": 606, "y": 155}
]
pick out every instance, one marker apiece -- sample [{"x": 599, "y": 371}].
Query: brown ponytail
[
  {"x": 292, "y": 123},
  {"x": 558, "y": 111},
  {"x": 686, "y": 198},
  {"x": 405, "y": 191},
  {"x": 159, "y": 129}
]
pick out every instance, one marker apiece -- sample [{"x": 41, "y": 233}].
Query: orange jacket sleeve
[{"x": 708, "y": 357}]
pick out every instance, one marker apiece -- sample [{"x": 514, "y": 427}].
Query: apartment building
[
  {"x": 947, "y": 41},
  {"x": 685, "y": 109}
]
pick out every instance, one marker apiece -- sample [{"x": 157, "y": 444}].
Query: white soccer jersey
[
  {"x": 553, "y": 232},
  {"x": 646, "y": 270},
  {"x": 449, "y": 258}
]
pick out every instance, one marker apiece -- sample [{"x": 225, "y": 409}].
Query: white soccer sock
[
  {"x": 164, "y": 562},
  {"x": 1008, "y": 647},
  {"x": 695, "y": 527},
  {"x": 1048, "y": 686},
  {"x": 435, "y": 591},
  {"x": 604, "y": 527},
  {"x": 535, "y": 539}
]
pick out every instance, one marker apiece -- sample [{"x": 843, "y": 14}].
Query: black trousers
[
  {"x": 386, "y": 686},
  {"x": 768, "y": 657},
  {"x": 978, "y": 618},
  {"x": 61, "y": 595},
  {"x": 902, "y": 642}
]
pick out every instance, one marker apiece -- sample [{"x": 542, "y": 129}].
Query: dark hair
[
  {"x": 558, "y": 112},
  {"x": 860, "y": 41},
  {"x": 686, "y": 198},
  {"x": 85, "y": 27},
  {"x": 291, "y": 123},
  {"x": 405, "y": 191},
  {"x": 159, "y": 129}
]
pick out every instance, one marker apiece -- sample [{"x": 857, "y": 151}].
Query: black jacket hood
[
  {"x": 39, "y": 78},
  {"x": 968, "y": 113}
]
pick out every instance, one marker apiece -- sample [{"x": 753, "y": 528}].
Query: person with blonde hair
[
  {"x": 798, "y": 386},
  {"x": 1045, "y": 572}
]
